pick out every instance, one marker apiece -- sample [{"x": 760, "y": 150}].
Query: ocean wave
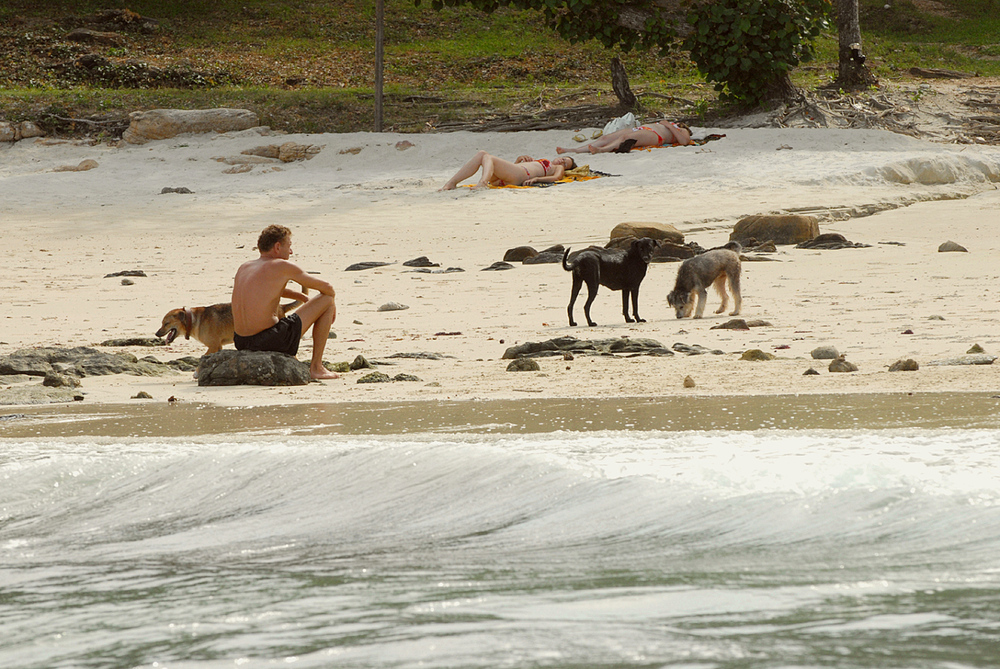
[{"x": 679, "y": 490}]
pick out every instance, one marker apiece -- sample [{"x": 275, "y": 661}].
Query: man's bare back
[
  {"x": 258, "y": 287},
  {"x": 260, "y": 284}
]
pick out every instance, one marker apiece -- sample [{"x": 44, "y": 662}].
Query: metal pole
[{"x": 379, "y": 39}]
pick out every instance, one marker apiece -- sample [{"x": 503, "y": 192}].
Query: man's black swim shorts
[{"x": 282, "y": 337}]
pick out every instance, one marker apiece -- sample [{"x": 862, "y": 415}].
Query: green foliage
[
  {"x": 747, "y": 47},
  {"x": 582, "y": 20}
]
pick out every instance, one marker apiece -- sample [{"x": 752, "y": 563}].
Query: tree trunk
[
  {"x": 781, "y": 89},
  {"x": 619, "y": 84},
  {"x": 852, "y": 73}
]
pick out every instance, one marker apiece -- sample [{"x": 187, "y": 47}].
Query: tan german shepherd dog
[{"x": 212, "y": 326}]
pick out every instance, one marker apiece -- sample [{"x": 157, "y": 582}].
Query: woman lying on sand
[
  {"x": 624, "y": 140},
  {"x": 524, "y": 171}
]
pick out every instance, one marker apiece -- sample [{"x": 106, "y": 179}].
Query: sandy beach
[{"x": 362, "y": 198}]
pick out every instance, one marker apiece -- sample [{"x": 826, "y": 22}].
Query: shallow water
[{"x": 569, "y": 548}]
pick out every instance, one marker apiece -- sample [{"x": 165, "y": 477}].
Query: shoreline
[
  {"x": 894, "y": 297},
  {"x": 875, "y": 411}
]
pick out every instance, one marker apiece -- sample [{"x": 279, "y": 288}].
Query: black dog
[{"x": 617, "y": 269}]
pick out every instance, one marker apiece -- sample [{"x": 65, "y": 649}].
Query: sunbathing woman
[
  {"x": 624, "y": 140},
  {"x": 522, "y": 172}
]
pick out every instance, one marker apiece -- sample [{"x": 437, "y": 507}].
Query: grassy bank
[{"x": 309, "y": 67}]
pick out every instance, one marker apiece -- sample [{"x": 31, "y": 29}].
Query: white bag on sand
[{"x": 626, "y": 121}]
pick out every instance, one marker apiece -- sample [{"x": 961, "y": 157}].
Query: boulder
[
  {"x": 230, "y": 367},
  {"x": 670, "y": 251},
  {"x": 27, "y": 130},
  {"x": 165, "y": 123},
  {"x": 8, "y": 132},
  {"x": 779, "y": 228},
  {"x": 519, "y": 254},
  {"x": 659, "y": 231}
]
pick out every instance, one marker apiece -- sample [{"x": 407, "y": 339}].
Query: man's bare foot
[
  {"x": 447, "y": 186},
  {"x": 322, "y": 373}
]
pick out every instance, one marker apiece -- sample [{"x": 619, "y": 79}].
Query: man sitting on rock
[{"x": 257, "y": 289}]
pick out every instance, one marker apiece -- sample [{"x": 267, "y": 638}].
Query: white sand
[{"x": 64, "y": 231}]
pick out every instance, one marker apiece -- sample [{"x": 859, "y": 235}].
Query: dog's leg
[
  {"x": 699, "y": 310},
  {"x": 625, "y": 294},
  {"x": 577, "y": 283},
  {"x": 720, "y": 288},
  {"x": 734, "y": 286},
  {"x": 593, "y": 282}
]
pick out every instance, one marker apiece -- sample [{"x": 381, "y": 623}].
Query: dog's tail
[{"x": 566, "y": 266}]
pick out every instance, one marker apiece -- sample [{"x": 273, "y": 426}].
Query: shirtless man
[
  {"x": 522, "y": 172},
  {"x": 257, "y": 289},
  {"x": 622, "y": 141}
]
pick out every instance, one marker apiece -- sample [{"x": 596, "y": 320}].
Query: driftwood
[
  {"x": 937, "y": 73},
  {"x": 847, "y": 111}
]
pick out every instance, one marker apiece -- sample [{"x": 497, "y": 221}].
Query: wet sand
[{"x": 210, "y": 422}]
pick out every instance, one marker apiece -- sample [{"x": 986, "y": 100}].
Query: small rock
[
  {"x": 422, "y": 261},
  {"x": 182, "y": 190},
  {"x": 842, "y": 365},
  {"x": 358, "y": 266},
  {"x": 952, "y": 246},
  {"x": 756, "y": 355},
  {"x": 825, "y": 353},
  {"x": 339, "y": 367},
  {"x": 127, "y": 272},
  {"x": 732, "y": 324},
  {"x": 353, "y": 151},
  {"x": 83, "y": 166},
  {"x": 56, "y": 380},
  {"x": 810, "y": 372},
  {"x": 688, "y": 382},
  {"x": 361, "y": 363},
  {"x": 393, "y": 306},
  {"x": 976, "y": 359},
  {"x": 404, "y": 144},
  {"x": 128, "y": 282},
  {"x": 907, "y": 365},
  {"x": 976, "y": 348},
  {"x": 523, "y": 365},
  {"x": 142, "y": 395},
  {"x": 405, "y": 377},
  {"x": 375, "y": 377},
  {"x": 498, "y": 266}
]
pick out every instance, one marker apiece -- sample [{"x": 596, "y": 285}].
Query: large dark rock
[
  {"x": 79, "y": 361},
  {"x": 660, "y": 231},
  {"x": 781, "y": 229},
  {"x": 229, "y": 367}
]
